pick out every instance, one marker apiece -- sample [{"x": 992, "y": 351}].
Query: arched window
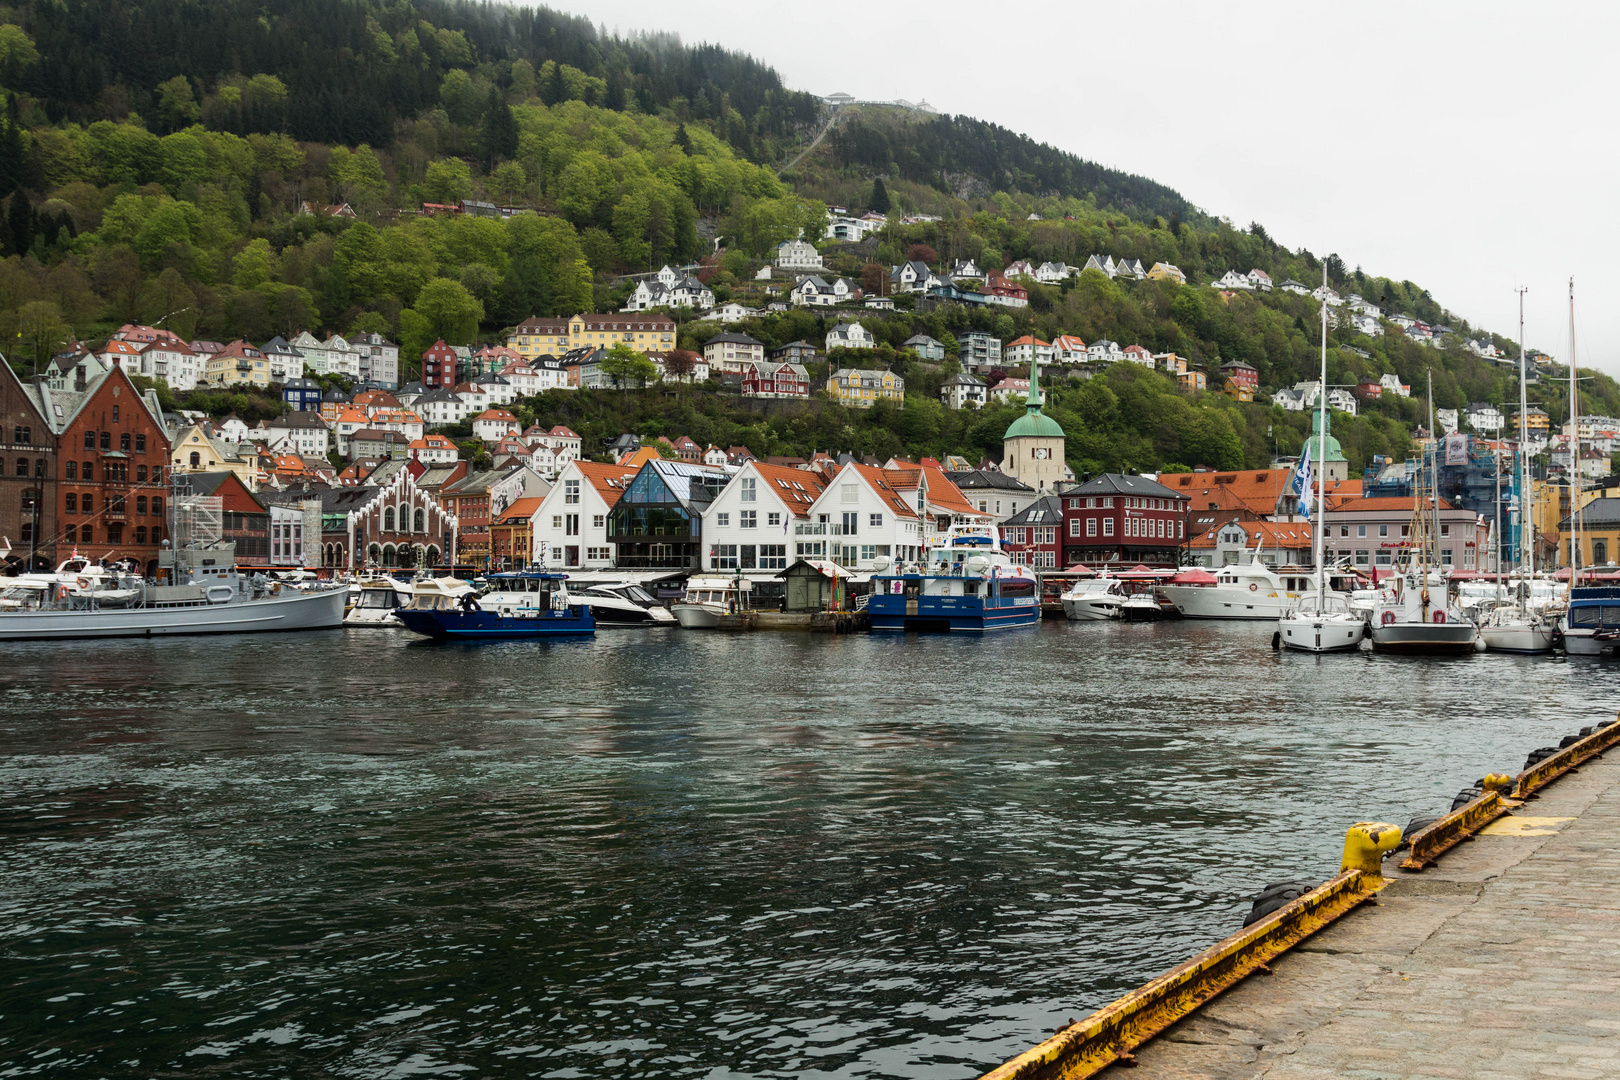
[
  {"x": 433, "y": 555},
  {"x": 140, "y": 504},
  {"x": 157, "y": 534},
  {"x": 89, "y": 440},
  {"x": 406, "y": 555},
  {"x": 86, "y": 534},
  {"x": 73, "y": 470},
  {"x": 140, "y": 473},
  {"x": 106, "y": 440},
  {"x": 89, "y": 470},
  {"x": 39, "y": 467},
  {"x": 70, "y": 503},
  {"x": 27, "y": 435},
  {"x": 157, "y": 505},
  {"x": 196, "y": 460},
  {"x": 418, "y": 519},
  {"x": 374, "y": 553},
  {"x": 123, "y": 442},
  {"x": 157, "y": 474},
  {"x": 389, "y": 555},
  {"x": 140, "y": 444},
  {"x": 22, "y": 466},
  {"x": 87, "y": 502},
  {"x": 388, "y": 520},
  {"x": 27, "y": 531},
  {"x": 71, "y": 535},
  {"x": 140, "y": 534}
]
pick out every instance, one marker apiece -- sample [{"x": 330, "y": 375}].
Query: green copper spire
[
  {"x": 1033, "y": 400},
  {"x": 1034, "y": 423}
]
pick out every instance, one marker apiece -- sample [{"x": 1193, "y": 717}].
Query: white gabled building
[
  {"x": 749, "y": 527},
  {"x": 570, "y": 525},
  {"x": 797, "y": 254},
  {"x": 850, "y": 335},
  {"x": 859, "y": 518},
  {"x": 1232, "y": 280}
]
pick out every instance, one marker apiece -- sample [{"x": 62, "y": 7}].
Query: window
[
  {"x": 722, "y": 519},
  {"x": 115, "y": 533},
  {"x": 852, "y": 524},
  {"x": 106, "y": 440},
  {"x": 24, "y": 435},
  {"x": 747, "y": 519},
  {"x": 571, "y": 525},
  {"x": 115, "y": 414},
  {"x": 598, "y": 521},
  {"x": 140, "y": 534},
  {"x": 723, "y": 556},
  {"x": 123, "y": 442},
  {"x": 1383, "y": 530},
  {"x": 1108, "y": 503},
  {"x": 1361, "y": 530},
  {"x": 875, "y": 521},
  {"x": 196, "y": 459},
  {"x": 140, "y": 504},
  {"x": 157, "y": 508},
  {"x": 89, "y": 440},
  {"x": 140, "y": 444},
  {"x": 745, "y": 489},
  {"x": 1074, "y": 526},
  {"x": 773, "y": 519},
  {"x": 1091, "y": 527},
  {"x": 1381, "y": 559},
  {"x": 849, "y": 493},
  {"x": 22, "y": 466},
  {"x": 72, "y": 533},
  {"x": 868, "y": 552},
  {"x": 70, "y": 503},
  {"x": 388, "y": 520},
  {"x": 1445, "y": 530},
  {"x": 86, "y": 533},
  {"x": 601, "y": 554},
  {"x": 556, "y": 521},
  {"x": 1108, "y": 526},
  {"x": 1091, "y": 504},
  {"x": 745, "y": 560},
  {"x": 73, "y": 470},
  {"x": 140, "y": 473},
  {"x": 417, "y": 521},
  {"x": 571, "y": 492},
  {"x": 1344, "y": 530},
  {"x": 773, "y": 556},
  {"x": 1445, "y": 556},
  {"x": 87, "y": 505},
  {"x": 1406, "y": 530}
]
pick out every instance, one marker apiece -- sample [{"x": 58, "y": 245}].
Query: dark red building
[
  {"x": 1034, "y": 535},
  {"x": 27, "y": 473},
  {"x": 439, "y": 366},
  {"x": 1121, "y": 518},
  {"x": 113, "y": 487}
]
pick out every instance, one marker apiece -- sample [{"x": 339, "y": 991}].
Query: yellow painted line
[{"x": 1524, "y": 826}]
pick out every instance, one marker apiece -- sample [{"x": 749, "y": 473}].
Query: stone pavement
[{"x": 1502, "y": 961}]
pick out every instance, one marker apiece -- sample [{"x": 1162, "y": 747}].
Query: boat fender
[
  {"x": 220, "y": 594},
  {"x": 1276, "y": 640},
  {"x": 1413, "y": 826},
  {"x": 1275, "y": 896},
  {"x": 1389, "y": 617}
]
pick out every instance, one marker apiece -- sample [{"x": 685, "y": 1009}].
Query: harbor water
[{"x": 680, "y": 854}]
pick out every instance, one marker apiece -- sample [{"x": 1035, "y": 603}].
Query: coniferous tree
[
  {"x": 682, "y": 139},
  {"x": 498, "y": 132},
  {"x": 20, "y": 219},
  {"x": 11, "y": 158},
  {"x": 879, "y": 202}
]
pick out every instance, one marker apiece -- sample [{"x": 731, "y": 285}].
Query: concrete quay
[{"x": 1500, "y": 961}]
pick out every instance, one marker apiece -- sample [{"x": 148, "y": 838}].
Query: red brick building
[
  {"x": 27, "y": 473},
  {"x": 113, "y": 486},
  {"x": 439, "y": 366},
  {"x": 1120, "y": 518}
]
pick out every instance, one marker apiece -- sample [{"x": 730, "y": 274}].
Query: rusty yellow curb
[
  {"x": 1545, "y": 772},
  {"x": 1110, "y": 1034},
  {"x": 1431, "y": 841}
]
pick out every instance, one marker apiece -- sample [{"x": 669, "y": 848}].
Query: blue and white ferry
[
  {"x": 517, "y": 605},
  {"x": 966, "y": 584}
]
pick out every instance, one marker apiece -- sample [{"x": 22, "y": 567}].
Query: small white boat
[
  {"x": 623, "y": 604},
  {"x": 375, "y": 601},
  {"x": 438, "y": 593},
  {"x": 1511, "y": 629},
  {"x": 1322, "y": 622},
  {"x": 1094, "y": 599},
  {"x": 706, "y": 599}
]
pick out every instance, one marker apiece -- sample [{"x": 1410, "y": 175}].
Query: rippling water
[{"x": 680, "y": 854}]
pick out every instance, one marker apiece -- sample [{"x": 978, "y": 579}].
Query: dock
[{"x": 1499, "y": 960}]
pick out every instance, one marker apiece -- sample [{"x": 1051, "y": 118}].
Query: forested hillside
[{"x": 172, "y": 161}]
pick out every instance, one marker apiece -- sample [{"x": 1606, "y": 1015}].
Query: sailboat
[
  {"x": 1516, "y": 627},
  {"x": 1589, "y": 624},
  {"x": 1418, "y": 618},
  {"x": 1321, "y": 621}
]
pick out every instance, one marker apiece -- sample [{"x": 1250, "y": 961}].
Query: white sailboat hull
[
  {"x": 299, "y": 611},
  {"x": 1321, "y": 635},
  {"x": 1516, "y": 637}
]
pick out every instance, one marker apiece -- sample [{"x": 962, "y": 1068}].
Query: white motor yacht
[
  {"x": 1094, "y": 599},
  {"x": 375, "y": 601},
  {"x": 1250, "y": 590},
  {"x": 623, "y": 604},
  {"x": 438, "y": 593}
]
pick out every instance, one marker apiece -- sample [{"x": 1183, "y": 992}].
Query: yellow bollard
[
  {"x": 1365, "y": 844},
  {"x": 1496, "y": 781}
]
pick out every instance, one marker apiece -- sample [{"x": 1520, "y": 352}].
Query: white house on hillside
[{"x": 850, "y": 335}]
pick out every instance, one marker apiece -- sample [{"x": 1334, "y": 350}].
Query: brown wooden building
[
  {"x": 113, "y": 485},
  {"x": 27, "y": 474}
]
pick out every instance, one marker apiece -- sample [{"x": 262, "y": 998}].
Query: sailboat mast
[
  {"x": 1434, "y": 491},
  {"x": 1574, "y": 449},
  {"x": 1321, "y": 451},
  {"x": 1526, "y": 555}
]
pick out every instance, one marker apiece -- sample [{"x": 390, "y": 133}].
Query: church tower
[{"x": 1032, "y": 449}]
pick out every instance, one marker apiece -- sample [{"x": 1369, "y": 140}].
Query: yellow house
[
  {"x": 1161, "y": 271},
  {"x": 641, "y": 330},
  {"x": 238, "y": 364},
  {"x": 1600, "y": 533},
  {"x": 196, "y": 451},
  {"x": 860, "y": 388}
]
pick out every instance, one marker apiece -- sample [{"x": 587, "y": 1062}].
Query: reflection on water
[{"x": 680, "y": 854}]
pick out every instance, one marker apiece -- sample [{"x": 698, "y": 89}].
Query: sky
[{"x": 1470, "y": 148}]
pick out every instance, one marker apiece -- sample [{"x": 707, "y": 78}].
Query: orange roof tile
[
  {"x": 521, "y": 509},
  {"x": 878, "y": 480},
  {"x": 795, "y": 487},
  {"x": 608, "y": 480}
]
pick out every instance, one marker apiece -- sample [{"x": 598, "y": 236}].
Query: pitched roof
[
  {"x": 1046, "y": 510},
  {"x": 1124, "y": 484},
  {"x": 878, "y": 480},
  {"x": 608, "y": 480},
  {"x": 795, "y": 487},
  {"x": 521, "y": 509},
  {"x": 988, "y": 480},
  {"x": 1385, "y": 502},
  {"x": 1265, "y": 534}
]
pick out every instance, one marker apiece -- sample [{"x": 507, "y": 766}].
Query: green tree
[
  {"x": 498, "y": 131},
  {"x": 41, "y": 330},
  {"x": 177, "y": 105},
  {"x": 451, "y": 312},
  {"x": 358, "y": 177},
  {"x": 254, "y": 265},
  {"x": 623, "y": 365},
  {"x": 448, "y": 181},
  {"x": 879, "y": 202}
]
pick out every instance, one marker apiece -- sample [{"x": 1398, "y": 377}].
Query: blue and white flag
[{"x": 1302, "y": 481}]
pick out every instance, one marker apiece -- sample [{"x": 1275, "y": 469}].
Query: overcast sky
[{"x": 1470, "y": 148}]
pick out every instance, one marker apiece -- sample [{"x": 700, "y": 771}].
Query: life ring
[
  {"x": 1389, "y": 617},
  {"x": 61, "y": 592},
  {"x": 84, "y": 583},
  {"x": 1253, "y": 587},
  {"x": 1439, "y": 616}
]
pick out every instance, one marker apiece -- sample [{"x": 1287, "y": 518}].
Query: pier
[{"x": 1497, "y": 960}]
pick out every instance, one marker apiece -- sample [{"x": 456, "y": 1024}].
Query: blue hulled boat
[
  {"x": 518, "y": 605},
  {"x": 967, "y": 584}
]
